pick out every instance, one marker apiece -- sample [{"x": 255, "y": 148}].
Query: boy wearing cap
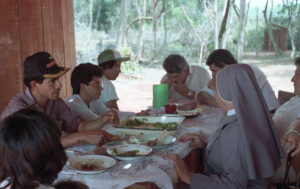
[
  {"x": 110, "y": 61},
  {"x": 41, "y": 76}
]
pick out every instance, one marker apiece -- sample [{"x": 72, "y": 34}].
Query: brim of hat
[
  {"x": 123, "y": 59},
  {"x": 58, "y": 74}
]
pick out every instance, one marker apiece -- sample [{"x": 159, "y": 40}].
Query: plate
[
  {"x": 190, "y": 113},
  {"x": 150, "y": 124},
  {"x": 165, "y": 142},
  {"x": 96, "y": 162},
  {"x": 140, "y": 151},
  {"x": 122, "y": 135}
]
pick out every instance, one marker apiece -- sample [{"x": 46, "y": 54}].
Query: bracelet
[{"x": 295, "y": 131}]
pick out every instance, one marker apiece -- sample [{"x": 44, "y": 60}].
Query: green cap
[{"x": 109, "y": 55}]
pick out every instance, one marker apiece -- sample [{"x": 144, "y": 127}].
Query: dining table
[{"x": 152, "y": 171}]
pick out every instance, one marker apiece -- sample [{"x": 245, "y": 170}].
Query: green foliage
[
  {"x": 174, "y": 34},
  {"x": 130, "y": 66}
]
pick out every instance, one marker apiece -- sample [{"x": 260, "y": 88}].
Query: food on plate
[
  {"x": 143, "y": 124},
  {"x": 131, "y": 153},
  {"x": 87, "y": 165},
  {"x": 188, "y": 107}
]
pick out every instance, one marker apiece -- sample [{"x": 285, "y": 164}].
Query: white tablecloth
[{"x": 152, "y": 168}]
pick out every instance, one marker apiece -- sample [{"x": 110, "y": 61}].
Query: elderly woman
[
  {"x": 31, "y": 152},
  {"x": 245, "y": 151}
]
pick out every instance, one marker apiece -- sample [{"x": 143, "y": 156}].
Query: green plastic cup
[{"x": 160, "y": 95}]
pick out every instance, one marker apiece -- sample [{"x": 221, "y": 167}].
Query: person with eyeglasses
[{"x": 87, "y": 86}]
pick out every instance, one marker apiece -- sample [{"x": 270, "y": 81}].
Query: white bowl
[
  {"x": 119, "y": 149},
  {"x": 162, "y": 143}
]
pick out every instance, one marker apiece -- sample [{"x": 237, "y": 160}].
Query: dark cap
[{"x": 43, "y": 65}]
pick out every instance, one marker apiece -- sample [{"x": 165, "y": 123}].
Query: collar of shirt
[{"x": 231, "y": 112}]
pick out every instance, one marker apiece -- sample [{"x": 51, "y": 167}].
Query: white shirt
[
  {"x": 109, "y": 91},
  {"x": 286, "y": 114},
  {"x": 95, "y": 110},
  {"x": 264, "y": 85},
  {"x": 197, "y": 79}
]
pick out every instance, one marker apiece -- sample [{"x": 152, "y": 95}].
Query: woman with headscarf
[{"x": 245, "y": 151}]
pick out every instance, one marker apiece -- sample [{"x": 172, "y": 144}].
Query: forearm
[
  {"x": 72, "y": 139},
  {"x": 91, "y": 125},
  {"x": 205, "y": 98}
]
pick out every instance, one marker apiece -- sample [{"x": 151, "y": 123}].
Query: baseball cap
[
  {"x": 43, "y": 65},
  {"x": 109, "y": 55}
]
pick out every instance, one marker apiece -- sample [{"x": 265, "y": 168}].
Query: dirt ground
[{"x": 135, "y": 90}]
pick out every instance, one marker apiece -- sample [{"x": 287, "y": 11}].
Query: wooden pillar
[{"x": 30, "y": 26}]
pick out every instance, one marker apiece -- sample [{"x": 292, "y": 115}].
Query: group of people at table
[{"x": 245, "y": 152}]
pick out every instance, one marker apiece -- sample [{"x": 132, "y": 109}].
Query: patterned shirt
[{"x": 58, "y": 110}]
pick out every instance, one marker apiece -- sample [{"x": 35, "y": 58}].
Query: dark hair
[
  {"x": 175, "y": 63},
  {"x": 69, "y": 184},
  {"x": 28, "y": 80},
  {"x": 297, "y": 61},
  {"x": 108, "y": 65},
  {"x": 84, "y": 73},
  {"x": 220, "y": 57},
  {"x": 30, "y": 148}
]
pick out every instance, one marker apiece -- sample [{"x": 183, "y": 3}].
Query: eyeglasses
[{"x": 97, "y": 84}]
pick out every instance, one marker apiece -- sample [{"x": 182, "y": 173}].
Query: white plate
[
  {"x": 102, "y": 162},
  {"x": 115, "y": 132},
  {"x": 165, "y": 142},
  {"x": 142, "y": 151},
  {"x": 190, "y": 113}
]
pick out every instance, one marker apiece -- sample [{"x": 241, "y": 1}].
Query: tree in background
[
  {"x": 292, "y": 8},
  {"x": 150, "y": 30},
  {"x": 268, "y": 21}
]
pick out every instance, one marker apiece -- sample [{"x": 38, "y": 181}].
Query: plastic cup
[{"x": 160, "y": 95}]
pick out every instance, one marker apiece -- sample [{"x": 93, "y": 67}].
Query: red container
[{"x": 170, "y": 109}]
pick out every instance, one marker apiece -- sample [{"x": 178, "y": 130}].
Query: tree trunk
[
  {"x": 291, "y": 13},
  {"x": 224, "y": 23},
  {"x": 141, "y": 33},
  {"x": 216, "y": 23},
  {"x": 269, "y": 27},
  {"x": 198, "y": 36},
  {"x": 154, "y": 25},
  {"x": 154, "y": 31},
  {"x": 90, "y": 29},
  {"x": 241, "y": 31},
  {"x": 292, "y": 38},
  {"x": 121, "y": 37}
]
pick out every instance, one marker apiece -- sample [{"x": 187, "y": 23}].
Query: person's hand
[
  {"x": 169, "y": 81},
  {"x": 97, "y": 137},
  {"x": 212, "y": 84},
  {"x": 143, "y": 113},
  {"x": 181, "y": 88},
  {"x": 196, "y": 141},
  {"x": 111, "y": 117},
  {"x": 294, "y": 140},
  {"x": 181, "y": 168}
]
